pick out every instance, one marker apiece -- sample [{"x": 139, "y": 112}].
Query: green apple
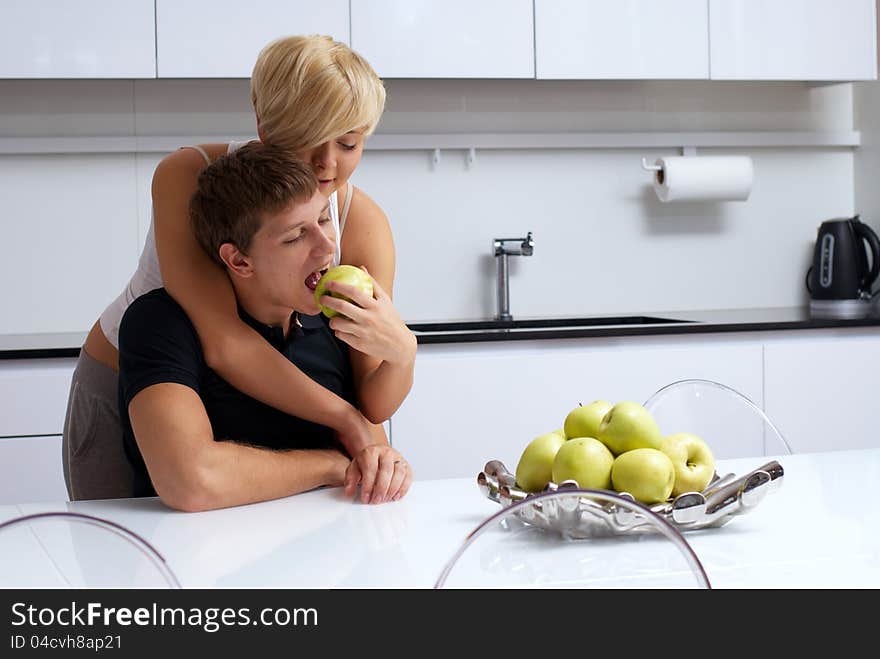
[
  {"x": 584, "y": 420},
  {"x": 627, "y": 426},
  {"x": 646, "y": 473},
  {"x": 693, "y": 461},
  {"x": 535, "y": 467},
  {"x": 347, "y": 274},
  {"x": 585, "y": 460}
]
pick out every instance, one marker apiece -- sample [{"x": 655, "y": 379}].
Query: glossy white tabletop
[{"x": 821, "y": 528}]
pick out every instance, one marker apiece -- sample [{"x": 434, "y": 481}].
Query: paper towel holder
[
  {"x": 685, "y": 151},
  {"x": 718, "y": 178}
]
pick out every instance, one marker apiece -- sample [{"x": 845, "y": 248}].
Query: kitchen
[{"x": 538, "y": 127}]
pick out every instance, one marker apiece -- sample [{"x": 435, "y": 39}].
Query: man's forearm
[{"x": 232, "y": 474}]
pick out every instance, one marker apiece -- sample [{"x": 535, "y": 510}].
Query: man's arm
[{"x": 192, "y": 472}]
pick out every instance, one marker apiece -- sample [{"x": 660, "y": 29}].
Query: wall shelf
[
  {"x": 629, "y": 140},
  {"x": 465, "y": 141}
]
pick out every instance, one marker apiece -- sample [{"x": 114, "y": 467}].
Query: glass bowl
[
  {"x": 507, "y": 550},
  {"x": 74, "y": 550},
  {"x": 731, "y": 424}
]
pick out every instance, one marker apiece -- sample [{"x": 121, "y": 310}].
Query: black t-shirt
[{"x": 158, "y": 344}]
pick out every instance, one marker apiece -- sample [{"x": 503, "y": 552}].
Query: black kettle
[{"x": 840, "y": 261}]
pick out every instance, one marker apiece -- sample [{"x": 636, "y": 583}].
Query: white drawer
[
  {"x": 30, "y": 470},
  {"x": 33, "y": 396}
]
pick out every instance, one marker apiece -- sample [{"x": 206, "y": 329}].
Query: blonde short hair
[{"x": 308, "y": 90}]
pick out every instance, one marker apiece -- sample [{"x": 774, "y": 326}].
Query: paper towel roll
[{"x": 695, "y": 178}]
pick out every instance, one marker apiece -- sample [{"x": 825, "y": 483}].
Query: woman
[{"x": 321, "y": 100}]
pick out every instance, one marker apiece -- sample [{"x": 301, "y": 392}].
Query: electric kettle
[{"x": 842, "y": 274}]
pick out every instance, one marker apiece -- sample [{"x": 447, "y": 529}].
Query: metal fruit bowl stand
[{"x": 582, "y": 517}]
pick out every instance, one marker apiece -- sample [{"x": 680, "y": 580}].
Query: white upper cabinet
[
  {"x": 548, "y": 39},
  {"x": 582, "y": 39},
  {"x": 222, "y": 38},
  {"x": 449, "y": 39},
  {"x": 82, "y": 39},
  {"x": 793, "y": 39}
]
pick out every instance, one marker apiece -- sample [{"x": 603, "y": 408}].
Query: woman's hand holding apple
[{"x": 369, "y": 323}]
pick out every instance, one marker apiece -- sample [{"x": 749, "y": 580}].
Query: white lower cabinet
[
  {"x": 33, "y": 402},
  {"x": 479, "y": 401},
  {"x": 30, "y": 470},
  {"x": 33, "y": 396},
  {"x": 471, "y": 404},
  {"x": 822, "y": 390}
]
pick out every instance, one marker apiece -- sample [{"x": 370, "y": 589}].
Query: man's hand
[{"x": 382, "y": 473}]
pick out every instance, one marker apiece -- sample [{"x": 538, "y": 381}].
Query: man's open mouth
[{"x": 312, "y": 280}]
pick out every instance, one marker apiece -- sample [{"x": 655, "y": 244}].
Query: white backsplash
[{"x": 604, "y": 244}]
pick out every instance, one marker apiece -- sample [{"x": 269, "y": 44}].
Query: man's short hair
[{"x": 238, "y": 190}]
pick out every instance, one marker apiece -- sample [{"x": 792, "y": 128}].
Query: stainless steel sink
[{"x": 540, "y": 324}]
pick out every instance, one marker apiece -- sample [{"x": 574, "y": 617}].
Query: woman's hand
[
  {"x": 354, "y": 431},
  {"x": 370, "y": 325},
  {"x": 382, "y": 473}
]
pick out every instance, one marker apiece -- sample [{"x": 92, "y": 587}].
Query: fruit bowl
[{"x": 725, "y": 497}]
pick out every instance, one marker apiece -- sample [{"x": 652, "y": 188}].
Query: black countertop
[
  {"x": 41, "y": 346},
  {"x": 674, "y": 322},
  {"x": 35, "y": 346}
]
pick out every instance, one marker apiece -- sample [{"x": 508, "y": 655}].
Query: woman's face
[{"x": 334, "y": 161}]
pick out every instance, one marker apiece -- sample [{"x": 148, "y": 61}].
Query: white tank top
[{"x": 147, "y": 275}]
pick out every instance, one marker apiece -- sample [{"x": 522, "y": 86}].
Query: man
[{"x": 191, "y": 437}]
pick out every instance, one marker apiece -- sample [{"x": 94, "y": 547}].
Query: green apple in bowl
[
  {"x": 584, "y": 420},
  {"x": 347, "y": 274},
  {"x": 627, "y": 426},
  {"x": 585, "y": 460},
  {"x": 692, "y": 459},
  {"x": 646, "y": 473},
  {"x": 535, "y": 467}
]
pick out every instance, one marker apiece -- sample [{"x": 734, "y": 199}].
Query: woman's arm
[
  {"x": 233, "y": 349},
  {"x": 384, "y": 349}
]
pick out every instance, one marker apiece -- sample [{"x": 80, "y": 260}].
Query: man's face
[{"x": 290, "y": 252}]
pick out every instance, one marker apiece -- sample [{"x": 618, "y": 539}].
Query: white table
[{"x": 821, "y": 528}]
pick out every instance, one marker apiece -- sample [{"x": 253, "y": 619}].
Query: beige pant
[{"x": 95, "y": 464}]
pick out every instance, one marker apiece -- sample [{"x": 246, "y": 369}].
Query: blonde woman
[{"x": 318, "y": 98}]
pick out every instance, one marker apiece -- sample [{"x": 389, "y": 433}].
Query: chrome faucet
[{"x": 501, "y": 249}]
